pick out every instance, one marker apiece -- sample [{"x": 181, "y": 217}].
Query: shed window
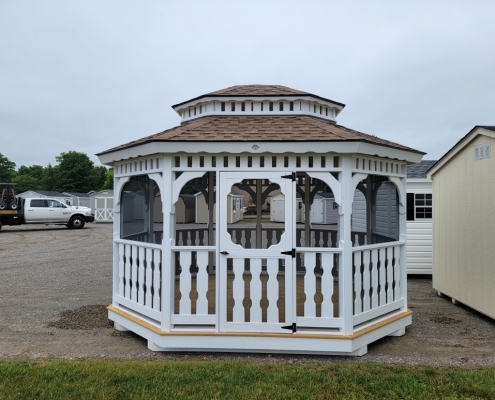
[{"x": 419, "y": 206}]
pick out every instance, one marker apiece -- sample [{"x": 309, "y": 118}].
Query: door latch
[
  {"x": 292, "y": 327},
  {"x": 224, "y": 253},
  {"x": 290, "y": 253},
  {"x": 291, "y": 177}
]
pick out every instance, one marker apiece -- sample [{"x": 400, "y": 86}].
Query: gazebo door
[{"x": 256, "y": 273}]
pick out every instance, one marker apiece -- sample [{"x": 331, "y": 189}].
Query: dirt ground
[{"x": 56, "y": 283}]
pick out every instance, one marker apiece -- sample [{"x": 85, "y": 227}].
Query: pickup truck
[{"x": 44, "y": 211}]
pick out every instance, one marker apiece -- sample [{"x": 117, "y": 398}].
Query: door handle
[{"x": 224, "y": 253}]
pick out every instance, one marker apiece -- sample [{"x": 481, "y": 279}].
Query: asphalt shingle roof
[
  {"x": 419, "y": 170},
  {"x": 260, "y": 129},
  {"x": 258, "y": 91}
]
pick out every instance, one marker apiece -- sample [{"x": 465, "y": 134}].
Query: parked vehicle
[{"x": 18, "y": 211}]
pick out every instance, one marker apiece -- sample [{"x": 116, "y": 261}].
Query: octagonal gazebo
[{"x": 233, "y": 278}]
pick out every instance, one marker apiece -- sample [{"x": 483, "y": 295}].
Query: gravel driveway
[{"x": 56, "y": 283}]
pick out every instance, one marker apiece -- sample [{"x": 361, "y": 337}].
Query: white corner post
[
  {"x": 168, "y": 267},
  {"x": 346, "y": 245},
  {"x": 400, "y": 184},
  {"x": 118, "y": 184}
]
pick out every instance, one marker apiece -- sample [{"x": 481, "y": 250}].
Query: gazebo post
[
  {"x": 168, "y": 265},
  {"x": 346, "y": 245}
]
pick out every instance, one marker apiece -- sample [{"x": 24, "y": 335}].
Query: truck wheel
[
  {"x": 2, "y": 205},
  {"x": 13, "y": 206},
  {"x": 76, "y": 223}
]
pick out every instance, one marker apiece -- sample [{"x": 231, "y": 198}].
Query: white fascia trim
[
  {"x": 239, "y": 99},
  {"x": 419, "y": 180},
  {"x": 263, "y": 147}
]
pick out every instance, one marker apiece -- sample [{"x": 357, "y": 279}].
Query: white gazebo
[{"x": 258, "y": 285}]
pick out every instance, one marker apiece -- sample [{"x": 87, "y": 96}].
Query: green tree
[
  {"x": 100, "y": 175},
  {"x": 75, "y": 172},
  {"x": 36, "y": 171},
  {"x": 25, "y": 183},
  {"x": 108, "y": 180},
  {"x": 28, "y": 178},
  {"x": 7, "y": 169},
  {"x": 50, "y": 179}
]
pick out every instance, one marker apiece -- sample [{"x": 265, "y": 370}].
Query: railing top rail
[
  {"x": 140, "y": 244},
  {"x": 318, "y": 250},
  {"x": 378, "y": 246},
  {"x": 194, "y": 248}
]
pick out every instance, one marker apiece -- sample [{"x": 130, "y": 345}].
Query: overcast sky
[{"x": 91, "y": 75}]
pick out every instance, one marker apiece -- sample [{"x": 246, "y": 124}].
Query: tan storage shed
[
  {"x": 185, "y": 209},
  {"x": 235, "y": 208},
  {"x": 464, "y": 221}
]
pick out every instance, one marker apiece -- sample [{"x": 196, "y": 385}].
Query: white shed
[
  {"x": 102, "y": 205},
  {"x": 235, "y": 208},
  {"x": 419, "y": 219},
  {"x": 324, "y": 210},
  {"x": 78, "y": 199},
  {"x": 277, "y": 208},
  {"x": 464, "y": 221}
]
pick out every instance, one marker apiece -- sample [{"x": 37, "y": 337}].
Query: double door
[{"x": 257, "y": 268}]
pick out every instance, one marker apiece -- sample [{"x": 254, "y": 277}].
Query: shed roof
[
  {"x": 49, "y": 193},
  {"x": 260, "y": 129},
  {"x": 75, "y": 194},
  {"x": 419, "y": 170},
  {"x": 459, "y": 145}
]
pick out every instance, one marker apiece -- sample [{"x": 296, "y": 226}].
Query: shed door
[{"x": 256, "y": 277}]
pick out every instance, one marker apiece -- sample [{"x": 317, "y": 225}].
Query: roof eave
[
  {"x": 463, "y": 142},
  {"x": 352, "y": 146},
  {"x": 295, "y": 95}
]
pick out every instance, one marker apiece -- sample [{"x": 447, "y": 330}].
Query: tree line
[{"x": 74, "y": 172}]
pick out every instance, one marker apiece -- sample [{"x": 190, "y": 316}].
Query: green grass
[{"x": 109, "y": 379}]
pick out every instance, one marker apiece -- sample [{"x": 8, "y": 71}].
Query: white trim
[{"x": 322, "y": 147}]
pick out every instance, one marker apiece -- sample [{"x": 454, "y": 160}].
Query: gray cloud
[{"x": 91, "y": 75}]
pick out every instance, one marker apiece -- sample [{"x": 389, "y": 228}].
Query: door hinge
[
  {"x": 291, "y": 176},
  {"x": 292, "y": 327},
  {"x": 290, "y": 253}
]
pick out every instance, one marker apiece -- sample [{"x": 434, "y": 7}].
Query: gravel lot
[{"x": 56, "y": 283}]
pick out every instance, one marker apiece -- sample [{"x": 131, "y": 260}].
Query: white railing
[
  {"x": 192, "y": 284},
  {"x": 376, "y": 280},
  {"x": 319, "y": 287},
  {"x": 139, "y": 278}
]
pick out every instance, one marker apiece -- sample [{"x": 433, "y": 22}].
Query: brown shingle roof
[
  {"x": 260, "y": 129},
  {"x": 258, "y": 91}
]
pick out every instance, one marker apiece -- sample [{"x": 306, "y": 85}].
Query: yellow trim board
[{"x": 158, "y": 331}]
